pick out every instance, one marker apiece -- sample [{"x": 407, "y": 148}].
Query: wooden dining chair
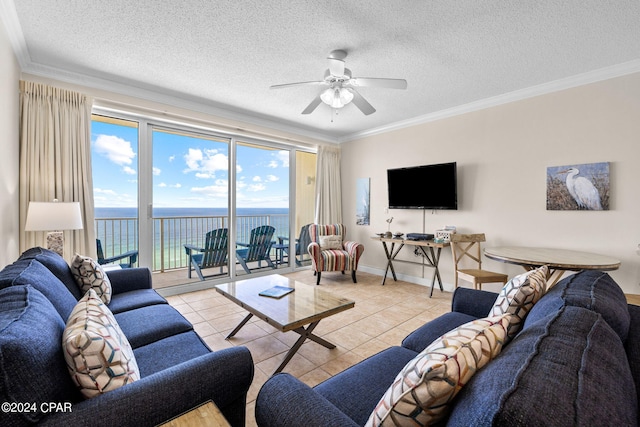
[{"x": 466, "y": 250}]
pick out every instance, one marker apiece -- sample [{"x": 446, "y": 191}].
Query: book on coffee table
[{"x": 276, "y": 292}]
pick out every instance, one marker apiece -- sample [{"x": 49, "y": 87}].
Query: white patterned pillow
[
  {"x": 423, "y": 390},
  {"x": 331, "y": 241},
  {"x": 518, "y": 297},
  {"x": 90, "y": 275},
  {"x": 98, "y": 355}
]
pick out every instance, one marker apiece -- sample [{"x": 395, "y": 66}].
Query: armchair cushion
[
  {"x": 330, "y": 242},
  {"x": 98, "y": 354}
]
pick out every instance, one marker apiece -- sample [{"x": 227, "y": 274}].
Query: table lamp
[{"x": 57, "y": 216}]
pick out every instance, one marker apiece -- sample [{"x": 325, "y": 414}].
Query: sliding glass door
[
  {"x": 262, "y": 207},
  {"x": 114, "y": 158},
  {"x": 196, "y": 205},
  {"x": 190, "y": 202}
]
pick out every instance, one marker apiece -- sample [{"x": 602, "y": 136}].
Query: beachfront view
[{"x": 185, "y": 193}]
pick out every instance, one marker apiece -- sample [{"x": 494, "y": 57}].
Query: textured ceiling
[{"x": 226, "y": 54}]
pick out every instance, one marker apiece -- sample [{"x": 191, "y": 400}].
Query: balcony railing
[{"x": 170, "y": 234}]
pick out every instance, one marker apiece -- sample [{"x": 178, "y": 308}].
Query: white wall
[
  {"x": 502, "y": 154},
  {"x": 9, "y": 161}
]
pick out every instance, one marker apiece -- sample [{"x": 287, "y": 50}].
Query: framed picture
[
  {"x": 362, "y": 201},
  {"x": 578, "y": 187}
]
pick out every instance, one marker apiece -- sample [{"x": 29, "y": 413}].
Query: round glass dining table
[{"x": 558, "y": 260}]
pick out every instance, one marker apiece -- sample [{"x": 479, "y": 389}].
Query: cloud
[
  {"x": 283, "y": 157},
  {"x": 128, "y": 170},
  {"x": 256, "y": 187},
  {"x": 273, "y": 164},
  {"x": 116, "y": 149},
  {"x": 177, "y": 185},
  {"x": 205, "y": 163},
  {"x": 271, "y": 178},
  {"x": 162, "y": 185},
  {"x": 256, "y": 179},
  {"x": 217, "y": 191},
  {"x": 157, "y": 171},
  {"x": 110, "y": 198},
  {"x": 172, "y": 158},
  {"x": 105, "y": 192}
]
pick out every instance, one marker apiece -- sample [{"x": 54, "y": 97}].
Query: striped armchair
[{"x": 333, "y": 253}]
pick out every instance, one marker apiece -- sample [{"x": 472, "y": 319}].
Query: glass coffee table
[{"x": 306, "y": 305}]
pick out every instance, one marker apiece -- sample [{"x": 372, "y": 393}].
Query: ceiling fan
[{"x": 342, "y": 86}]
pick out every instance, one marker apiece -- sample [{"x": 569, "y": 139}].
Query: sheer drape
[
  {"x": 328, "y": 186},
  {"x": 55, "y": 160}
]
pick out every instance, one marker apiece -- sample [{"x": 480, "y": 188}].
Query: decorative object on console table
[
  {"x": 388, "y": 234},
  {"x": 54, "y": 217},
  {"x": 444, "y": 235}
]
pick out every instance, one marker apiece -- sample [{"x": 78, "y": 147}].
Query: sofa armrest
[
  {"x": 286, "y": 401},
  {"x": 223, "y": 376},
  {"x": 129, "y": 279},
  {"x": 473, "y": 302}
]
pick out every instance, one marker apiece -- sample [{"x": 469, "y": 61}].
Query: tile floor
[{"x": 382, "y": 317}]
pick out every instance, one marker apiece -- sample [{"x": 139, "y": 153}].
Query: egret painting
[{"x": 578, "y": 187}]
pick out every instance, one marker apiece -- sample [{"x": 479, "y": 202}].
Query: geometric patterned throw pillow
[
  {"x": 98, "y": 355},
  {"x": 90, "y": 275},
  {"x": 422, "y": 392},
  {"x": 518, "y": 297}
]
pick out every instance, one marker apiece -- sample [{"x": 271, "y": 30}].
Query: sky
[{"x": 188, "y": 171}]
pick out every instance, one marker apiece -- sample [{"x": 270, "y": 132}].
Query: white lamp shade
[
  {"x": 48, "y": 216},
  {"x": 336, "y": 97}
]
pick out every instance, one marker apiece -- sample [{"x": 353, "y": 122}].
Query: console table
[{"x": 428, "y": 248}]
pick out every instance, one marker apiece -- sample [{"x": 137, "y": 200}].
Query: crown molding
[
  {"x": 9, "y": 18},
  {"x": 518, "y": 95},
  {"x": 173, "y": 99}
]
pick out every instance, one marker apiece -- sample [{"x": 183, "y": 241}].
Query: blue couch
[
  {"x": 177, "y": 370},
  {"x": 575, "y": 362}
]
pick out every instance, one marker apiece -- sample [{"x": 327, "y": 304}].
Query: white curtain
[
  {"x": 55, "y": 160},
  {"x": 328, "y": 186}
]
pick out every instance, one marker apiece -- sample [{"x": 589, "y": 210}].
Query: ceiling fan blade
[
  {"x": 317, "y": 83},
  {"x": 312, "y": 106},
  {"x": 362, "y": 103},
  {"x": 376, "y": 82}
]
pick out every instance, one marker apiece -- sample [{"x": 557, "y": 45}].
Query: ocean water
[{"x": 187, "y": 212}]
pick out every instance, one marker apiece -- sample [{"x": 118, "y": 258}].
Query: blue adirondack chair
[
  {"x": 257, "y": 249},
  {"x": 214, "y": 253}
]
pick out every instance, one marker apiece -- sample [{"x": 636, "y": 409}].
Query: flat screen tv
[{"x": 423, "y": 187}]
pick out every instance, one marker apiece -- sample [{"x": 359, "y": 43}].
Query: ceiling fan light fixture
[{"x": 336, "y": 97}]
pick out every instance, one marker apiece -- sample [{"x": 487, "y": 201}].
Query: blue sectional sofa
[
  {"x": 575, "y": 362},
  {"x": 177, "y": 370}
]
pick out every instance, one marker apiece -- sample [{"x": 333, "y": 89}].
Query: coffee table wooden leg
[
  {"x": 304, "y": 335},
  {"x": 244, "y": 322}
]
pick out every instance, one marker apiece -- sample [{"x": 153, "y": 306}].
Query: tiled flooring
[{"x": 382, "y": 317}]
